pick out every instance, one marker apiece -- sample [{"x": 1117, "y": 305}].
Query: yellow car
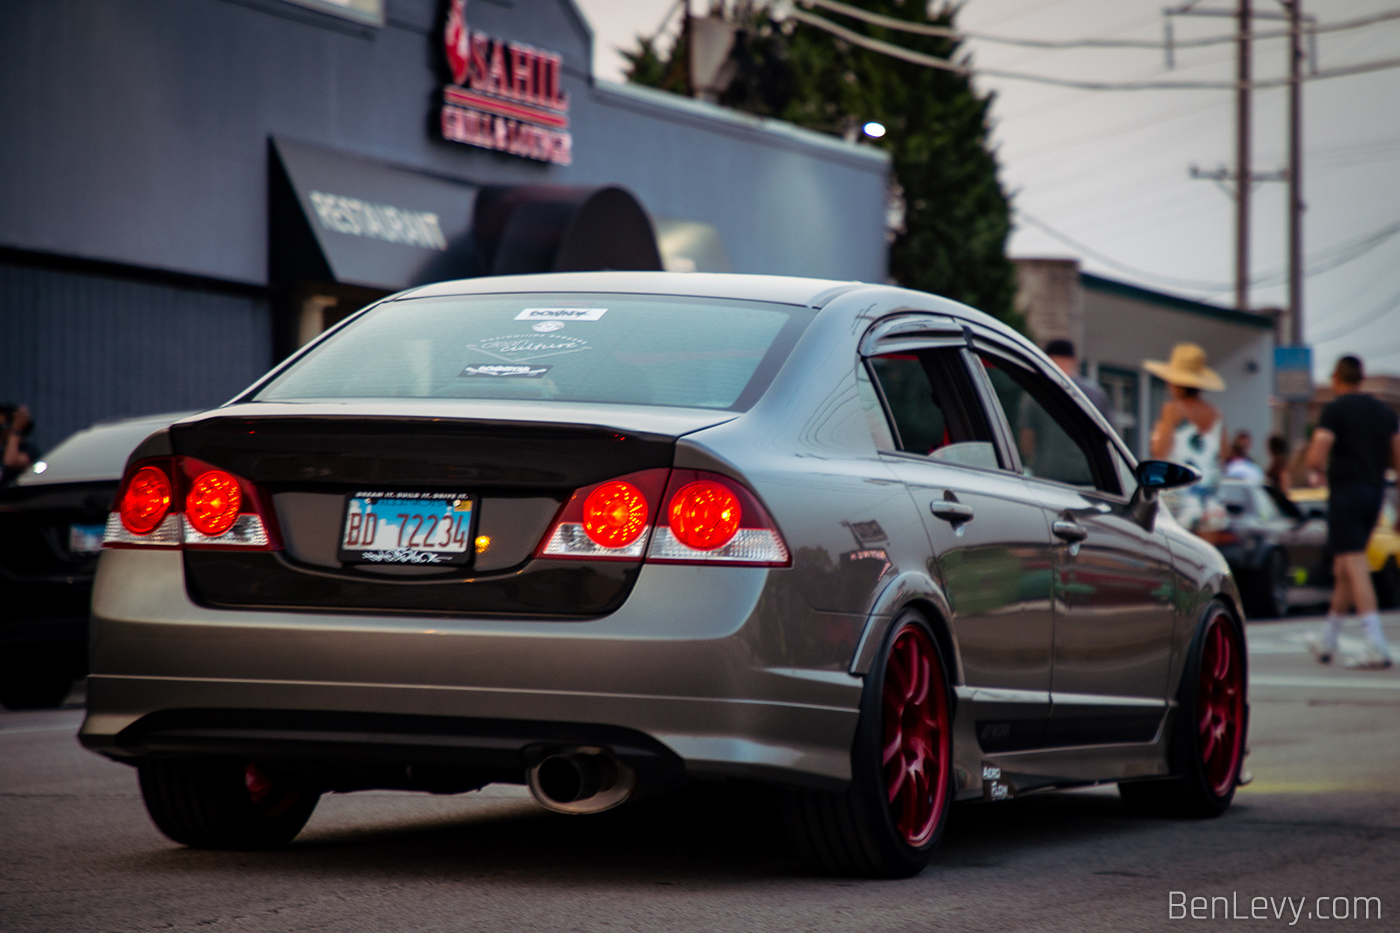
[{"x": 1382, "y": 551}]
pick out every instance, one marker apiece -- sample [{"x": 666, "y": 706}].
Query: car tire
[
  {"x": 34, "y": 689},
  {"x": 1387, "y": 582},
  {"x": 217, "y": 803},
  {"x": 1209, "y": 730},
  {"x": 1268, "y": 587},
  {"x": 904, "y": 732}
]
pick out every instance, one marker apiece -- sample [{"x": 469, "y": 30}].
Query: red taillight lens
[
  {"x": 213, "y": 502},
  {"x": 607, "y": 521},
  {"x": 146, "y": 501},
  {"x": 615, "y": 514},
  {"x": 704, "y": 515},
  {"x": 181, "y": 502}
]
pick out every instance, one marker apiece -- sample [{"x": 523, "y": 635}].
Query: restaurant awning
[{"x": 342, "y": 218}]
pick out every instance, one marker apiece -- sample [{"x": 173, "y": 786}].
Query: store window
[{"x": 1121, "y": 386}]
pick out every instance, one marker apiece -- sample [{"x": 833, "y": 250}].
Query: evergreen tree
[{"x": 952, "y": 240}]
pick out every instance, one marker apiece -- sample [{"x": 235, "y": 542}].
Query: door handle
[
  {"x": 951, "y": 511},
  {"x": 1072, "y": 532}
]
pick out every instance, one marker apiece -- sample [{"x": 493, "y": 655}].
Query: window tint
[
  {"x": 917, "y": 415},
  {"x": 633, "y": 349},
  {"x": 925, "y": 394},
  {"x": 1056, "y": 441}
]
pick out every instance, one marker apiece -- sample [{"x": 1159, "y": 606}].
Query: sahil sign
[{"x": 504, "y": 95}]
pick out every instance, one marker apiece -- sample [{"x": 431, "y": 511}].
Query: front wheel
[
  {"x": 218, "y": 803},
  {"x": 887, "y": 822},
  {"x": 1208, "y": 736}
]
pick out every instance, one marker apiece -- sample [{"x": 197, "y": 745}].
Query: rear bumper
[{"x": 686, "y": 668}]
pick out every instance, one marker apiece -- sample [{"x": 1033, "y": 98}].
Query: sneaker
[
  {"x": 1320, "y": 652},
  {"x": 1370, "y": 659}
]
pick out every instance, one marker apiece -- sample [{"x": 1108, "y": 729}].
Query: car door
[
  {"x": 989, "y": 543},
  {"x": 1113, "y": 584}
]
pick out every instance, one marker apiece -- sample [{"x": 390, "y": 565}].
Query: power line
[
  {"x": 1169, "y": 280},
  {"x": 948, "y": 32},
  {"x": 1326, "y": 261},
  {"x": 1374, "y": 315},
  {"x": 943, "y": 64}
]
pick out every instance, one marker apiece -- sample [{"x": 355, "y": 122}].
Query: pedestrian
[
  {"x": 18, "y": 453},
  {"x": 1276, "y": 473},
  {"x": 1190, "y": 431},
  {"x": 1238, "y": 465},
  {"x": 1356, "y": 438},
  {"x": 1062, "y": 354},
  {"x": 1045, "y": 447}
]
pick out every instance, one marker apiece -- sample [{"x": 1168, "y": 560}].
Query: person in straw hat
[{"x": 1190, "y": 431}]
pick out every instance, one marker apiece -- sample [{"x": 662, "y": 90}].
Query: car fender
[{"x": 911, "y": 589}]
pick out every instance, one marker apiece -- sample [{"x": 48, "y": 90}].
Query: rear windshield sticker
[
  {"x": 499, "y": 370},
  {"x": 547, "y": 327},
  {"x": 523, "y": 348},
  {"x": 561, "y": 314}
]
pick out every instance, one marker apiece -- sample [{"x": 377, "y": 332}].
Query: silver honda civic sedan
[{"x": 606, "y": 533}]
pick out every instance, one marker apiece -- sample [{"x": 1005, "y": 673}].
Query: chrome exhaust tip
[{"x": 587, "y": 779}]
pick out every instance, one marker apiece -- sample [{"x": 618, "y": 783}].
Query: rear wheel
[
  {"x": 887, "y": 822},
  {"x": 1387, "y": 581},
  {"x": 1208, "y": 738},
  {"x": 224, "y": 804}
]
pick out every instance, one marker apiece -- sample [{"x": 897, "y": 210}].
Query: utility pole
[
  {"x": 1297, "y": 409},
  {"x": 1295, "y": 171},
  {"x": 1243, "y": 179}
]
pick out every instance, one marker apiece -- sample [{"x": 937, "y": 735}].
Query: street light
[{"x": 874, "y": 130}]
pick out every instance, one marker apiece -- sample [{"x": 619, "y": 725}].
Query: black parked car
[
  {"x": 51, "y": 525},
  {"x": 1277, "y": 551}
]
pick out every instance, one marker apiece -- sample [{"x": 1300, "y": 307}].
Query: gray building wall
[
  {"x": 136, "y": 133},
  {"x": 82, "y": 347}
]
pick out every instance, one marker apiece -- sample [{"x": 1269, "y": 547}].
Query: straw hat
[{"x": 1187, "y": 367}]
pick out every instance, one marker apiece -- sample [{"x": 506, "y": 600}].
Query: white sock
[
  {"x": 1371, "y": 622},
  {"x": 1331, "y": 630}
]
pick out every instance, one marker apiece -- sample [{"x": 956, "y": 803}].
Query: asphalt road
[{"x": 1320, "y": 820}]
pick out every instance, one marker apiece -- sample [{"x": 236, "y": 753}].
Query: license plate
[
  {"x": 407, "y": 528},
  {"x": 85, "y": 539}
]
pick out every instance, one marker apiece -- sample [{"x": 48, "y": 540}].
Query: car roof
[{"x": 778, "y": 288}]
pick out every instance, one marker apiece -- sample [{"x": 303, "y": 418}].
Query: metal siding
[
  {"x": 79, "y": 348},
  {"x": 136, "y": 132}
]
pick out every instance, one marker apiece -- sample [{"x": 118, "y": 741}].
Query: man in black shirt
[{"x": 1356, "y": 439}]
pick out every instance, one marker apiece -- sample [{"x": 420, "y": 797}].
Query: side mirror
[{"x": 1163, "y": 474}]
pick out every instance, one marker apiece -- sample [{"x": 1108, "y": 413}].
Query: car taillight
[
  {"x": 172, "y": 502},
  {"x": 711, "y": 518},
  {"x": 615, "y": 514},
  {"x": 146, "y": 500},
  {"x": 607, "y": 521},
  {"x": 704, "y": 515},
  {"x": 212, "y": 505},
  {"x": 667, "y": 516}
]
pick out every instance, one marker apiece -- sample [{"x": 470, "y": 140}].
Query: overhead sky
[{"x": 1103, "y": 175}]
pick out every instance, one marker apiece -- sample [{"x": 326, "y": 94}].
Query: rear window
[{"x": 633, "y": 349}]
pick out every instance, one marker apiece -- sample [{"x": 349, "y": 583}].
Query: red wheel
[
  {"x": 888, "y": 821},
  {"x": 1208, "y": 734},
  {"x": 1220, "y": 706},
  {"x": 917, "y": 745}
]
